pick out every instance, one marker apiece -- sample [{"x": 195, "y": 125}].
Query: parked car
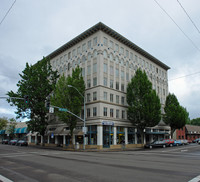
[
  {"x": 13, "y": 142},
  {"x": 199, "y": 142},
  {"x": 22, "y": 143},
  {"x": 196, "y": 140},
  {"x": 177, "y": 142},
  {"x": 170, "y": 142},
  {"x": 5, "y": 141},
  {"x": 157, "y": 144},
  {"x": 185, "y": 142}
]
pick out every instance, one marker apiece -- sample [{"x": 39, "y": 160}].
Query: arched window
[
  {"x": 127, "y": 64},
  {"x": 111, "y": 57},
  {"x": 117, "y": 59},
  {"x": 105, "y": 55},
  {"x": 89, "y": 56},
  {"x": 73, "y": 64},
  {"x": 95, "y": 54},
  {"x": 122, "y": 62},
  {"x": 79, "y": 61},
  {"x": 83, "y": 59}
]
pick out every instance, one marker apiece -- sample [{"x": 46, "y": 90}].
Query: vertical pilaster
[{"x": 100, "y": 135}]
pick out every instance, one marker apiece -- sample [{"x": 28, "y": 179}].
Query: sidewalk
[{"x": 86, "y": 150}]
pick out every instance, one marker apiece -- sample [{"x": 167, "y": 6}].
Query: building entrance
[{"x": 107, "y": 136}]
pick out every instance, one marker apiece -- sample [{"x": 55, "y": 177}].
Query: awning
[
  {"x": 78, "y": 132},
  {"x": 65, "y": 132},
  {"x": 57, "y": 131},
  {"x": 17, "y": 130},
  {"x": 24, "y": 130},
  {"x": 2, "y": 132}
]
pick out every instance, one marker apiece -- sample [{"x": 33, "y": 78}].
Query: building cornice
[{"x": 102, "y": 27}]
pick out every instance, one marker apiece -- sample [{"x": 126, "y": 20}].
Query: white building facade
[{"x": 108, "y": 61}]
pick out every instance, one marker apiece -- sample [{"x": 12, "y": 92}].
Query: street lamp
[{"x": 84, "y": 130}]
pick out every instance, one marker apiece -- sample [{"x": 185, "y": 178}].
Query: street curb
[{"x": 196, "y": 179}]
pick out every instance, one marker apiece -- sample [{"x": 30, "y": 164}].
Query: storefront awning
[
  {"x": 57, "y": 131},
  {"x": 24, "y": 130},
  {"x": 17, "y": 130},
  {"x": 20, "y": 130},
  {"x": 78, "y": 132},
  {"x": 2, "y": 132}
]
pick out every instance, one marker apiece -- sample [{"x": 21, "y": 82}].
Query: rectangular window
[
  {"x": 131, "y": 55},
  {"x": 136, "y": 59},
  {"x": 122, "y": 75},
  {"x": 84, "y": 47},
  {"x": 111, "y": 83},
  {"x": 79, "y": 50},
  {"x": 95, "y": 41},
  {"x": 88, "y": 70},
  {"x": 122, "y": 87},
  {"x": 105, "y": 95},
  {"x": 105, "y": 81},
  {"x": 88, "y": 83},
  {"x": 105, "y": 41},
  {"x": 94, "y": 111},
  {"x": 117, "y": 72},
  {"x": 105, "y": 111},
  {"x": 69, "y": 55},
  {"x": 117, "y": 113},
  {"x": 121, "y": 50},
  {"x": 122, "y": 100},
  {"x": 88, "y": 112},
  {"x": 74, "y": 52},
  {"x": 111, "y": 45},
  {"x": 123, "y": 114},
  {"x": 88, "y": 97},
  {"x": 94, "y": 96},
  {"x": 111, "y": 97},
  {"x": 89, "y": 44},
  {"x": 94, "y": 67},
  {"x": 111, "y": 70},
  {"x": 117, "y": 99},
  {"x": 117, "y": 47},
  {"x": 83, "y": 72},
  {"x": 94, "y": 81},
  {"x": 127, "y": 53},
  {"x": 105, "y": 68},
  {"x": 117, "y": 85},
  {"x": 111, "y": 113},
  {"x": 127, "y": 77}
]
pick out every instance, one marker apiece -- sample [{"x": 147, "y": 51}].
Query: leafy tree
[
  {"x": 11, "y": 127},
  {"x": 37, "y": 82},
  {"x": 144, "y": 109},
  {"x": 175, "y": 115},
  {"x": 69, "y": 97},
  {"x": 195, "y": 121},
  {"x": 3, "y": 123}
]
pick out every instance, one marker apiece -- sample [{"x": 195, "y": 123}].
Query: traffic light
[{"x": 26, "y": 99}]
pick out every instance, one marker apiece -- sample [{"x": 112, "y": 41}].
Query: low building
[{"x": 189, "y": 132}]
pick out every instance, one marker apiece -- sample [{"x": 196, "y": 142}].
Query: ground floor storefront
[{"x": 106, "y": 134}]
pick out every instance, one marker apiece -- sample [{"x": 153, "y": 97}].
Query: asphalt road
[{"x": 30, "y": 164}]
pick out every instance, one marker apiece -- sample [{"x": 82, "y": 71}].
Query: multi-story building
[{"x": 108, "y": 61}]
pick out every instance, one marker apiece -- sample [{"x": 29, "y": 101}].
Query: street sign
[
  {"x": 84, "y": 130},
  {"x": 51, "y": 110},
  {"x": 62, "y": 109}
]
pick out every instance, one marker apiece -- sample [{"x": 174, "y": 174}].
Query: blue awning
[
  {"x": 2, "y": 132},
  {"x": 24, "y": 130},
  {"x": 17, "y": 130}
]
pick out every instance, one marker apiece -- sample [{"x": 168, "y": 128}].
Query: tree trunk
[{"x": 172, "y": 132}]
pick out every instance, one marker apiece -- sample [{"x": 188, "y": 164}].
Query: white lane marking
[
  {"x": 196, "y": 179},
  {"x": 4, "y": 179}
]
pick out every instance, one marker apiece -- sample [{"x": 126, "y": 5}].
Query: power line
[
  {"x": 188, "y": 16},
  {"x": 185, "y": 76},
  {"x": 7, "y": 12},
  {"x": 178, "y": 26}
]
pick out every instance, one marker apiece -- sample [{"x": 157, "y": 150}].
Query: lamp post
[{"x": 83, "y": 116}]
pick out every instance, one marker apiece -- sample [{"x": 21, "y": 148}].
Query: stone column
[
  {"x": 48, "y": 139},
  {"x": 115, "y": 135},
  {"x": 36, "y": 139},
  {"x": 126, "y": 135},
  {"x": 56, "y": 139},
  {"x": 64, "y": 140},
  {"x": 100, "y": 135},
  {"x": 41, "y": 141}
]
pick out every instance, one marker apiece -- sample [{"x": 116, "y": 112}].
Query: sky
[{"x": 34, "y": 28}]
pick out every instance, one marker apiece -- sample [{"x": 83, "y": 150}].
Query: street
[{"x": 31, "y": 164}]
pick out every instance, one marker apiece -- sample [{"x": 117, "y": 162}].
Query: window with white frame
[
  {"x": 94, "y": 67},
  {"x": 105, "y": 111},
  {"x": 105, "y": 41},
  {"x": 105, "y": 97},
  {"x": 117, "y": 113},
  {"x": 88, "y": 97},
  {"x": 117, "y": 47},
  {"x": 94, "y": 81},
  {"x": 111, "y": 70},
  {"x": 111, "y": 113},
  {"x": 89, "y": 70},
  {"x": 117, "y": 99},
  {"x": 105, "y": 81},
  {"x": 94, "y": 111},
  {"x": 117, "y": 85},
  {"x": 117, "y": 72},
  {"x": 111, "y": 97},
  {"x": 111, "y": 83},
  {"x": 94, "y": 96},
  {"x": 95, "y": 41},
  {"x": 105, "y": 68},
  {"x": 88, "y": 83},
  {"x": 89, "y": 44}
]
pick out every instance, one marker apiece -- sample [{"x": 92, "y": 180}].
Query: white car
[{"x": 199, "y": 142}]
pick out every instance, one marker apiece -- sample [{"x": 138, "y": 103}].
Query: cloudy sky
[{"x": 34, "y": 28}]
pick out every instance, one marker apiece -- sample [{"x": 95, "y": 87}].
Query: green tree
[
  {"x": 144, "y": 109},
  {"x": 69, "y": 97},
  {"x": 175, "y": 115},
  {"x": 37, "y": 82},
  {"x": 11, "y": 127},
  {"x": 3, "y": 123},
  {"x": 195, "y": 121}
]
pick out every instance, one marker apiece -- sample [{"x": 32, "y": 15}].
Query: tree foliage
[
  {"x": 175, "y": 115},
  {"x": 144, "y": 109},
  {"x": 11, "y": 127},
  {"x": 69, "y": 97},
  {"x": 3, "y": 123},
  {"x": 37, "y": 82},
  {"x": 195, "y": 121}
]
